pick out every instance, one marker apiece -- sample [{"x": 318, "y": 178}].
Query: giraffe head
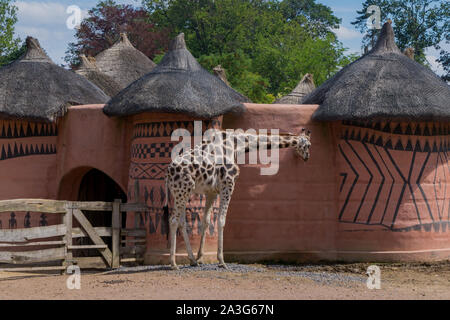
[{"x": 303, "y": 145}]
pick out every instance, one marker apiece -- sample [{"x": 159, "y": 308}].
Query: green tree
[
  {"x": 417, "y": 23},
  {"x": 9, "y": 45},
  {"x": 266, "y": 46}
]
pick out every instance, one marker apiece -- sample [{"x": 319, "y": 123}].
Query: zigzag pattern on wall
[
  {"x": 411, "y": 128},
  {"x": 165, "y": 128},
  {"x": 16, "y": 130},
  {"x": 382, "y": 171},
  {"x": 10, "y": 151}
]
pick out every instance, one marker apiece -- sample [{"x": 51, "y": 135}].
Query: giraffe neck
[{"x": 251, "y": 142}]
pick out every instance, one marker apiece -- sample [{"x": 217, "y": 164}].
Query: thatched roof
[
  {"x": 305, "y": 86},
  {"x": 123, "y": 62},
  {"x": 33, "y": 87},
  {"x": 89, "y": 70},
  {"x": 177, "y": 85},
  {"x": 383, "y": 84}
]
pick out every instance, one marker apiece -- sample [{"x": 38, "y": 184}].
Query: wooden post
[
  {"x": 116, "y": 226},
  {"x": 68, "y": 237}
]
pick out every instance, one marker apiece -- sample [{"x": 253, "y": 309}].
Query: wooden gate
[{"x": 54, "y": 244}]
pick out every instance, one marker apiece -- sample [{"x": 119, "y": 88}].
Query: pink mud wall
[
  {"x": 27, "y": 168},
  {"x": 89, "y": 139},
  {"x": 307, "y": 212},
  {"x": 290, "y": 215}
]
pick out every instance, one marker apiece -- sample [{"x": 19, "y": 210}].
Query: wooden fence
[{"x": 128, "y": 245}]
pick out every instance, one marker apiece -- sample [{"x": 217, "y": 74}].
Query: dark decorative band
[
  {"x": 147, "y": 151},
  {"x": 13, "y": 130},
  {"x": 151, "y": 171},
  {"x": 9, "y": 152},
  {"x": 414, "y": 143},
  {"x": 416, "y": 129},
  {"x": 165, "y": 129}
]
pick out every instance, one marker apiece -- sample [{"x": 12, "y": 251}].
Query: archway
[{"x": 97, "y": 186}]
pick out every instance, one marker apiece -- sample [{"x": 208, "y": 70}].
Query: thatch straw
[
  {"x": 409, "y": 52},
  {"x": 89, "y": 70},
  {"x": 221, "y": 73},
  {"x": 177, "y": 85},
  {"x": 305, "y": 86},
  {"x": 35, "y": 88},
  {"x": 384, "y": 84},
  {"x": 123, "y": 62}
]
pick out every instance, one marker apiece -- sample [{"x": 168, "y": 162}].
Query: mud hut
[
  {"x": 390, "y": 117},
  {"x": 304, "y": 87},
  {"x": 34, "y": 93},
  {"x": 173, "y": 95},
  {"x": 123, "y": 62},
  {"x": 89, "y": 70}
]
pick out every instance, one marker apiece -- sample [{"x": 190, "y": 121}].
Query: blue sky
[{"x": 46, "y": 20}]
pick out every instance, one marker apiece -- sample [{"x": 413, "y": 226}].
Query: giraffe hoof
[
  {"x": 194, "y": 264},
  {"x": 175, "y": 268},
  {"x": 224, "y": 266},
  {"x": 200, "y": 261}
]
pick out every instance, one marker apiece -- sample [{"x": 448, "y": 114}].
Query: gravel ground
[{"x": 337, "y": 281}]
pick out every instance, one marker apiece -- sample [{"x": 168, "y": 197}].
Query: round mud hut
[
  {"x": 123, "y": 62},
  {"x": 34, "y": 93},
  {"x": 389, "y": 116},
  {"x": 173, "y": 95},
  {"x": 304, "y": 87}
]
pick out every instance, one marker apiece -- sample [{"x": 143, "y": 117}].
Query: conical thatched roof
[
  {"x": 35, "y": 88},
  {"x": 123, "y": 62},
  {"x": 89, "y": 70},
  {"x": 383, "y": 84},
  {"x": 177, "y": 85},
  {"x": 305, "y": 86}
]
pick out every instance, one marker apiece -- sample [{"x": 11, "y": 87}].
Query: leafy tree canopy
[
  {"x": 9, "y": 45},
  {"x": 102, "y": 28},
  {"x": 264, "y": 45},
  {"x": 419, "y": 24}
]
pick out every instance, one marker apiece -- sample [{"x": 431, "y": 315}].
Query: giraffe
[{"x": 215, "y": 178}]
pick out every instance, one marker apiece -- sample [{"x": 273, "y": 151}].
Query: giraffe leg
[
  {"x": 225, "y": 197},
  {"x": 173, "y": 239},
  {"x": 182, "y": 223},
  {"x": 210, "y": 198}
]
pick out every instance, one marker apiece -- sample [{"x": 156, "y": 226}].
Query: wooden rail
[{"x": 62, "y": 249}]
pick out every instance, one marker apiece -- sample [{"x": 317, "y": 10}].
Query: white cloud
[
  {"x": 44, "y": 13},
  {"x": 344, "y": 33}
]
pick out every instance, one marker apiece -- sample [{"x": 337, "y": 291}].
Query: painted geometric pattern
[
  {"x": 395, "y": 179},
  {"x": 14, "y": 130},
  {"x": 16, "y": 150},
  {"x": 165, "y": 129},
  {"x": 150, "y": 157},
  {"x": 19, "y": 220}
]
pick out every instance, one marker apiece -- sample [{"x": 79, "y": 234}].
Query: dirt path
[{"x": 401, "y": 281}]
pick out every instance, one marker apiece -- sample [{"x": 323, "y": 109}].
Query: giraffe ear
[
  {"x": 308, "y": 133},
  {"x": 303, "y": 130}
]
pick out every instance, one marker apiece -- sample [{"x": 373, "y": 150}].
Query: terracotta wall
[
  {"x": 27, "y": 168},
  {"x": 371, "y": 191},
  {"x": 89, "y": 139}
]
